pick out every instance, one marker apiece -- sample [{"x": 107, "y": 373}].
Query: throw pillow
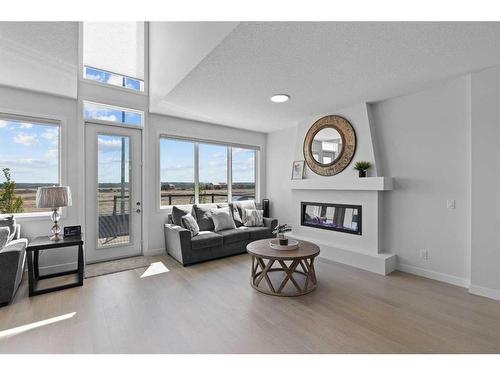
[
  {"x": 203, "y": 215},
  {"x": 223, "y": 219},
  {"x": 189, "y": 222},
  {"x": 254, "y": 218},
  {"x": 236, "y": 216},
  {"x": 4, "y": 236},
  {"x": 244, "y": 205},
  {"x": 10, "y": 222},
  {"x": 178, "y": 213}
]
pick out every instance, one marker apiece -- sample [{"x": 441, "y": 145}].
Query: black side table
[{"x": 44, "y": 243}]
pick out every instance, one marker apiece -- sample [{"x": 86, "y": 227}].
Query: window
[
  {"x": 113, "y": 53},
  {"x": 29, "y": 156},
  {"x": 177, "y": 172},
  {"x": 103, "y": 76},
  {"x": 213, "y": 173},
  {"x": 243, "y": 186},
  {"x": 199, "y": 172},
  {"x": 103, "y": 112}
]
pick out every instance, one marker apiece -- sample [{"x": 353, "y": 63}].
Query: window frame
[
  {"x": 115, "y": 74},
  {"x": 47, "y": 121},
  {"x": 81, "y": 66},
  {"x": 113, "y": 123},
  {"x": 196, "y": 142}
]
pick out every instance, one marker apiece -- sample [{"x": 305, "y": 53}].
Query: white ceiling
[{"x": 229, "y": 71}]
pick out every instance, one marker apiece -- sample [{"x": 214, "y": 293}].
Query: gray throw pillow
[
  {"x": 4, "y": 236},
  {"x": 244, "y": 205},
  {"x": 223, "y": 219},
  {"x": 234, "y": 211},
  {"x": 203, "y": 214},
  {"x": 178, "y": 213},
  {"x": 189, "y": 222},
  {"x": 254, "y": 218}
]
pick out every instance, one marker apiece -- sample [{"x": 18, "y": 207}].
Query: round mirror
[
  {"x": 326, "y": 146},
  {"x": 329, "y": 145}
]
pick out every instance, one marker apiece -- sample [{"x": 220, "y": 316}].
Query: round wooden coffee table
[{"x": 285, "y": 278}]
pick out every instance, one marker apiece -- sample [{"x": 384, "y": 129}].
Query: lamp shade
[{"x": 53, "y": 197}]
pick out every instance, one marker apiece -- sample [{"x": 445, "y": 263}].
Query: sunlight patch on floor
[
  {"x": 155, "y": 269},
  {"x": 30, "y": 326}
]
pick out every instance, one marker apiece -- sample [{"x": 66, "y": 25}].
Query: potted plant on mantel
[
  {"x": 280, "y": 231},
  {"x": 362, "y": 167}
]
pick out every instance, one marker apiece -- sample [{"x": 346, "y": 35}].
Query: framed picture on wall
[{"x": 298, "y": 170}]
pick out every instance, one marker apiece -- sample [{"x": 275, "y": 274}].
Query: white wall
[
  {"x": 40, "y": 56},
  {"x": 18, "y": 101},
  {"x": 422, "y": 140},
  {"x": 485, "y": 192},
  {"x": 158, "y": 125}
]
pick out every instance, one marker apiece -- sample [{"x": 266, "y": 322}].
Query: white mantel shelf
[{"x": 332, "y": 183}]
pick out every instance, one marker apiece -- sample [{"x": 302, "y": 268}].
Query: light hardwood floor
[{"x": 211, "y": 308}]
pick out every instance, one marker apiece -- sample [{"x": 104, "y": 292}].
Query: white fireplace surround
[{"x": 363, "y": 251}]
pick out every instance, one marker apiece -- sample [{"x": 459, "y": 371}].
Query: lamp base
[{"x": 56, "y": 229}]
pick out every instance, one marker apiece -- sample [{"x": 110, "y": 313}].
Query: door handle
[{"x": 138, "y": 210}]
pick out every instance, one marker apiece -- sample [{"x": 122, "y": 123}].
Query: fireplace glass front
[{"x": 331, "y": 216}]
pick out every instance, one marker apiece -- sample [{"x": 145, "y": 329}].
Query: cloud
[
  {"x": 3, "y": 124},
  {"x": 25, "y": 139},
  {"x": 25, "y": 125},
  {"x": 115, "y": 80},
  {"x": 52, "y": 153},
  {"x": 51, "y": 135},
  {"x": 106, "y": 145}
]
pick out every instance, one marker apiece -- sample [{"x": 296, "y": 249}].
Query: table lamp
[{"x": 54, "y": 197}]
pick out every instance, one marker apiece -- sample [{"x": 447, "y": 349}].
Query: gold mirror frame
[{"x": 348, "y": 135}]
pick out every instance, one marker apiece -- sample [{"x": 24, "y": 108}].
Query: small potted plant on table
[
  {"x": 362, "y": 167},
  {"x": 280, "y": 231}
]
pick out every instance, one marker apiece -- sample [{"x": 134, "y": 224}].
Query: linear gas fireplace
[{"x": 338, "y": 217}]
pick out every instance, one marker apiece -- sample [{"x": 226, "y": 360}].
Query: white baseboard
[
  {"x": 484, "y": 292},
  {"x": 382, "y": 264},
  {"x": 454, "y": 280}
]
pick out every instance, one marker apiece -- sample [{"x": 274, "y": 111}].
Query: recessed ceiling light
[{"x": 280, "y": 98}]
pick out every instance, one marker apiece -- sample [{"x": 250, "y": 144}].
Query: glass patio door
[{"x": 113, "y": 213}]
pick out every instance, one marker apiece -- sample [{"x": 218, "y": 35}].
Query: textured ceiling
[{"x": 322, "y": 66}]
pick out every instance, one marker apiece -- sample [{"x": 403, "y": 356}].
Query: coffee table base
[{"x": 262, "y": 267}]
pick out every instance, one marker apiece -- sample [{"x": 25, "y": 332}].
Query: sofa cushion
[
  {"x": 234, "y": 235},
  {"x": 4, "y": 236},
  {"x": 206, "y": 239},
  {"x": 243, "y": 205},
  {"x": 178, "y": 213},
  {"x": 9, "y": 222},
  {"x": 223, "y": 219},
  {"x": 189, "y": 222},
  {"x": 254, "y": 218},
  {"x": 258, "y": 233},
  {"x": 203, "y": 214}
]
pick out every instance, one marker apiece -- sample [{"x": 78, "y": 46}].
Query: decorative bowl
[{"x": 292, "y": 244}]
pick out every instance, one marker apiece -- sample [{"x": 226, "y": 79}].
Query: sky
[
  {"x": 30, "y": 150},
  {"x": 112, "y": 79},
  {"x": 109, "y": 158},
  {"x": 94, "y": 111},
  {"x": 177, "y": 162}
]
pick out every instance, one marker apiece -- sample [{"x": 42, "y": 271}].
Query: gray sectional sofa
[
  {"x": 209, "y": 244},
  {"x": 12, "y": 260}
]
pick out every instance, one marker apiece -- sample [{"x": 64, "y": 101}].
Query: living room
[{"x": 272, "y": 186}]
